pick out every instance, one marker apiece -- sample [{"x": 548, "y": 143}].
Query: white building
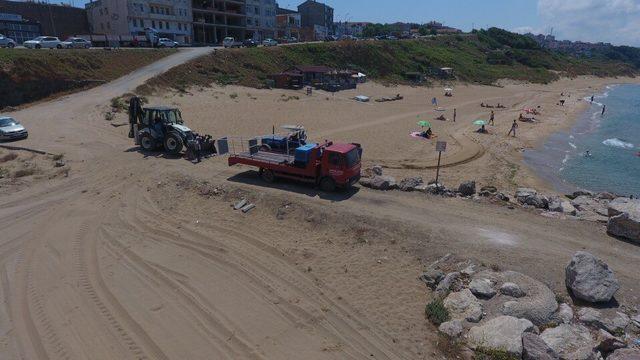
[
  {"x": 171, "y": 18},
  {"x": 261, "y": 19}
]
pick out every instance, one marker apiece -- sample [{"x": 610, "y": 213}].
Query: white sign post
[{"x": 441, "y": 146}]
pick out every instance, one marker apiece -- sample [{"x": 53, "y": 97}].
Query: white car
[
  {"x": 76, "y": 43},
  {"x": 11, "y": 129},
  {"x": 270, "y": 42},
  {"x": 43, "y": 42},
  {"x": 164, "y": 42},
  {"x": 7, "y": 42},
  {"x": 230, "y": 42}
]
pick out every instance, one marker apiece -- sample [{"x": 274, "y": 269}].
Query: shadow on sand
[{"x": 252, "y": 178}]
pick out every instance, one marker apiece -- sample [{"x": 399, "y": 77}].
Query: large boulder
[
  {"x": 537, "y": 305},
  {"x": 410, "y": 183},
  {"x": 432, "y": 278},
  {"x": 590, "y": 279},
  {"x": 511, "y": 289},
  {"x": 452, "y": 329},
  {"x": 623, "y": 205},
  {"x": 534, "y": 348},
  {"x": 570, "y": 341},
  {"x": 503, "y": 333},
  {"x": 467, "y": 188},
  {"x": 380, "y": 182},
  {"x": 462, "y": 305},
  {"x": 564, "y": 314},
  {"x": 531, "y": 197},
  {"x": 614, "y": 323},
  {"x": 625, "y": 354},
  {"x": 449, "y": 283},
  {"x": 625, "y": 225},
  {"x": 561, "y": 206},
  {"x": 482, "y": 288}
]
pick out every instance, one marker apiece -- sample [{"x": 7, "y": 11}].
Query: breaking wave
[{"x": 615, "y": 142}]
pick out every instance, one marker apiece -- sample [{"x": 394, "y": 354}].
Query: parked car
[
  {"x": 7, "y": 42},
  {"x": 249, "y": 43},
  {"x": 43, "y": 42},
  {"x": 76, "y": 43},
  {"x": 11, "y": 129},
  {"x": 270, "y": 42},
  {"x": 167, "y": 43},
  {"x": 230, "y": 42},
  {"x": 331, "y": 38}
]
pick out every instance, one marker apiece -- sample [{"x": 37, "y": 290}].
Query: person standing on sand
[
  {"x": 514, "y": 126},
  {"x": 491, "y": 118},
  {"x": 604, "y": 108},
  {"x": 455, "y": 113}
]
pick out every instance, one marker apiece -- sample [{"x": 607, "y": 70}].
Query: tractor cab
[{"x": 295, "y": 137}]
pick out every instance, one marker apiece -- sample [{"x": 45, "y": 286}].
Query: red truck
[{"x": 329, "y": 165}]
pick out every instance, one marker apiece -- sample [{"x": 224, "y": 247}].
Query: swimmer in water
[{"x": 587, "y": 153}]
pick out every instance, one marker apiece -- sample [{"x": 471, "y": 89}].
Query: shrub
[
  {"x": 436, "y": 312},
  {"x": 494, "y": 354},
  {"x": 24, "y": 172},
  {"x": 57, "y": 157}
]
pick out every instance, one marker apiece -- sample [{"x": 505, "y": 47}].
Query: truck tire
[
  {"x": 327, "y": 184},
  {"x": 173, "y": 143},
  {"x": 268, "y": 175},
  {"x": 147, "y": 143}
]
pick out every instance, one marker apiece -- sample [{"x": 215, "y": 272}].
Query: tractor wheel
[
  {"x": 267, "y": 175},
  {"x": 147, "y": 143},
  {"x": 173, "y": 143},
  {"x": 327, "y": 184},
  {"x": 264, "y": 147}
]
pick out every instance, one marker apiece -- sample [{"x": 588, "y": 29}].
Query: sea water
[{"x": 600, "y": 153}]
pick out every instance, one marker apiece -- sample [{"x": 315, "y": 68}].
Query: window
[
  {"x": 153, "y": 24},
  {"x": 334, "y": 159},
  {"x": 160, "y": 23},
  {"x": 108, "y": 25},
  {"x": 166, "y": 24}
]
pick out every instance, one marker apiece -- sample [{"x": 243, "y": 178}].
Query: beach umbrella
[
  {"x": 448, "y": 89},
  {"x": 424, "y": 123},
  {"x": 479, "y": 122}
]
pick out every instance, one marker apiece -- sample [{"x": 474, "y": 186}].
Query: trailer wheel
[
  {"x": 173, "y": 143},
  {"x": 146, "y": 142},
  {"x": 267, "y": 175},
  {"x": 327, "y": 184}
]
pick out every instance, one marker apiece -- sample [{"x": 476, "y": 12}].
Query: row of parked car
[
  {"x": 230, "y": 42},
  {"x": 52, "y": 42}
]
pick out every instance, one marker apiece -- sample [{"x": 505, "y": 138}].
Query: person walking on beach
[
  {"x": 434, "y": 102},
  {"x": 592, "y": 99},
  {"x": 491, "y": 118},
  {"x": 514, "y": 126},
  {"x": 455, "y": 114},
  {"x": 604, "y": 108}
]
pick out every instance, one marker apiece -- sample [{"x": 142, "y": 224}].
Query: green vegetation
[
  {"x": 436, "y": 312},
  {"x": 482, "y": 57},
  {"x": 29, "y": 75}
]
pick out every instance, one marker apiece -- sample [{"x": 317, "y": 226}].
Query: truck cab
[{"x": 340, "y": 163}]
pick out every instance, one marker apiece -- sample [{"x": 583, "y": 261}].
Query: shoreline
[{"x": 540, "y": 162}]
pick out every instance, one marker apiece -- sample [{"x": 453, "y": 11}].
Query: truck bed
[{"x": 267, "y": 157}]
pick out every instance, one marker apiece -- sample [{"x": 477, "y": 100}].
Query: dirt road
[{"x": 124, "y": 259}]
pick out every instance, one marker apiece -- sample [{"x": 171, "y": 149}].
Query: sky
[{"x": 614, "y": 21}]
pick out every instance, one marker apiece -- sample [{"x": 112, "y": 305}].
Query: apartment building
[
  {"x": 213, "y": 20},
  {"x": 287, "y": 24},
  {"x": 50, "y": 19},
  {"x": 170, "y": 18},
  {"x": 316, "y": 18},
  {"x": 261, "y": 19},
  {"x": 17, "y": 28}
]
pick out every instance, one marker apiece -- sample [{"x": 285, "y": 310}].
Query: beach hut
[
  {"x": 360, "y": 78},
  {"x": 286, "y": 80}
]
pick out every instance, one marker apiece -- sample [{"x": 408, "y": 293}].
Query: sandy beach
[
  {"x": 131, "y": 255},
  {"x": 383, "y": 128}
]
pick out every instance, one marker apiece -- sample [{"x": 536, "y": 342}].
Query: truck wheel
[
  {"x": 327, "y": 184},
  {"x": 147, "y": 143},
  {"x": 267, "y": 175},
  {"x": 58, "y": 46},
  {"x": 38, "y": 46},
  {"x": 173, "y": 143}
]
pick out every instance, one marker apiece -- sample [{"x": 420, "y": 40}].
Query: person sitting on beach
[
  {"x": 482, "y": 130},
  {"x": 521, "y": 118},
  {"x": 441, "y": 117},
  {"x": 482, "y": 104},
  {"x": 427, "y": 134}
]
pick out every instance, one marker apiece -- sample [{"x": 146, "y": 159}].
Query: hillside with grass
[
  {"x": 30, "y": 75},
  {"x": 482, "y": 57}
]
